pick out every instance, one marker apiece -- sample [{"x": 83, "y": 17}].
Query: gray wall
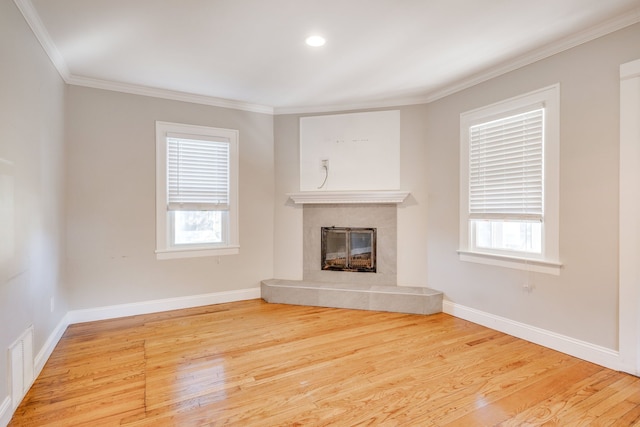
[
  {"x": 84, "y": 230},
  {"x": 111, "y": 201},
  {"x": 84, "y": 196},
  {"x": 32, "y": 98},
  {"x": 583, "y": 301}
]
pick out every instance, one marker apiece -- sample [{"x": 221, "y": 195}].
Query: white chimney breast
[{"x": 361, "y": 152}]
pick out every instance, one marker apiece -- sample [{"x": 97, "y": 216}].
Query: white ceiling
[{"x": 252, "y": 52}]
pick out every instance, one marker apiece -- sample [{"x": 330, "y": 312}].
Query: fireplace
[
  {"x": 348, "y": 249},
  {"x": 380, "y": 217}
]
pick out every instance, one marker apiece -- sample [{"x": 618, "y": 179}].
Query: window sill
[
  {"x": 527, "y": 264},
  {"x": 194, "y": 253}
]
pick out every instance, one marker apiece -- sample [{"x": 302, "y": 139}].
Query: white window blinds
[
  {"x": 197, "y": 173},
  {"x": 506, "y": 168}
]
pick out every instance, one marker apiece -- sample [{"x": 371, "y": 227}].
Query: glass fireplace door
[{"x": 349, "y": 249}]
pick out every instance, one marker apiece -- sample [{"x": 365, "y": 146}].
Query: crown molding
[
  {"x": 592, "y": 33},
  {"x": 167, "y": 94},
  {"x": 39, "y": 30},
  {"x": 566, "y": 43},
  {"x": 33, "y": 20},
  {"x": 395, "y": 102}
]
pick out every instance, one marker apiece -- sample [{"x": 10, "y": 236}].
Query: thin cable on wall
[{"x": 326, "y": 175}]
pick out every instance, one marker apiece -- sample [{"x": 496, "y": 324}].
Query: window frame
[
  {"x": 548, "y": 260},
  {"x": 164, "y": 247}
]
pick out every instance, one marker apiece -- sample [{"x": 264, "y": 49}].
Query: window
[
  {"x": 196, "y": 191},
  {"x": 509, "y": 182}
]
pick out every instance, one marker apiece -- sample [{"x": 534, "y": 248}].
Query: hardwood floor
[{"x": 251, "y": 363}]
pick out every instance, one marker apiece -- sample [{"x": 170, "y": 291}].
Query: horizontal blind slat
[
  {"x": 197, "y": 174},
  {"x": 506, "y": 166}
]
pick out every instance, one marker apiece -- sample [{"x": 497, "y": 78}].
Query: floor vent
[{"x": 21, "y": 360}]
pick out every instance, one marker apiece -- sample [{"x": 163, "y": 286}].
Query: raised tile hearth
[{"x": 398, "y": 299}]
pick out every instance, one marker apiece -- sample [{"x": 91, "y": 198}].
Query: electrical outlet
[{"x": 324, "y": 163}]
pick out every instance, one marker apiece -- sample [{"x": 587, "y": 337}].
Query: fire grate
[{"x": 349, "y": 249}]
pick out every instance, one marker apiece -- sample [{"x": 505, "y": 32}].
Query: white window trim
[
  {"x": 548, "y": 262},
  {"x": 629, "y": 270},
  {"x": 163, "y": 249}
]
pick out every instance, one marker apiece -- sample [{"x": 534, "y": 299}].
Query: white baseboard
[
  {"x": 5, "y": 411},
  {"x": 580, "y": 349},
  {"x": 583, "y": 350},
  {"x": 123, "y": 310},
  {"x": 46, "y": 350},
  {"x": 155, "y": 306},
  {"x": 145, "y": 307}
]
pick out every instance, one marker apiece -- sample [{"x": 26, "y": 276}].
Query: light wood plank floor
[{"x": 251, "y": 363}]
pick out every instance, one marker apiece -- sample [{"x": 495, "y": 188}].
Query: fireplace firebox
[{"x": 349, "y": 249}]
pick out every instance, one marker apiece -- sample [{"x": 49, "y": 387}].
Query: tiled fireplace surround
[
  {"x": 357, "y": 290},
  {"x": 379, "y": 216}
]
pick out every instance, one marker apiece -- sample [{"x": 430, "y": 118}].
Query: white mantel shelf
[{"x": 344, "y": 197}]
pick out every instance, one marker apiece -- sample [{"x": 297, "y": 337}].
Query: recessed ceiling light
[{"x": 315, "y": 41}]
